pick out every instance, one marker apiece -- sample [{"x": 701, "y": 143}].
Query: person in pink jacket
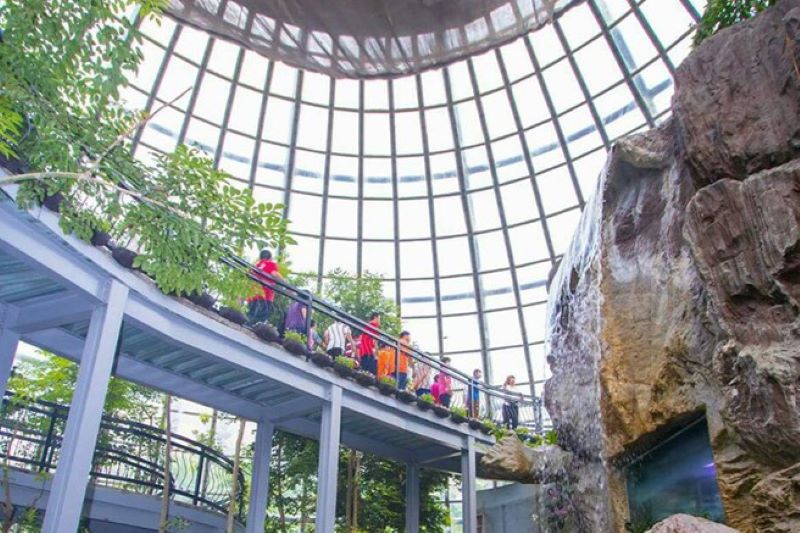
[{"x": 442, "y": 388}]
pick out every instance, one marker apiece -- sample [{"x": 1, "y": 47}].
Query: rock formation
[
  {"x": 684, "y": 523},
  {"x": 510, "y": 459},
  {"x": 680, "y": 293}
]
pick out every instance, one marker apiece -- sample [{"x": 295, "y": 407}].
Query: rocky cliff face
[{"x": 681, "y": 291}]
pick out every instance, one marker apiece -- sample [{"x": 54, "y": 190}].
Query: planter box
[
  {"x": 53, "y": 203},
  {"x": 235, "y": 316},
  {"x": 405, "y": 396},
  {"x": 344, "y": 371},
  {"x": 458, "y": 419},
  {"x": 267, "y": 332},
  {"x": 365, "y": 378},
  {"x": 202, "y": 299},
  {"x": 441, "y": 412},
  {"x": 294, "y": 347},
  {"x": 386, "y": 390},
  {"x": 475, "y": 424},
  {"x": 321, "y": 359},
  {"x": 124, "y": 257},
  {"x": 100, "y": 238},
  {"x": 486, "y": 429},
  {"x": 424, "y": 406}
]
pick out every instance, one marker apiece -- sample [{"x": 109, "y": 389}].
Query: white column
[
  {"x": 9, "y": 341},
  {"x": 412, "y": 498},
  {"x": 468, "y": 497},
  {"x": 83, "y": 423},
  {"x": 259, "y": 480},
  {"x": 330, "y": 427}
]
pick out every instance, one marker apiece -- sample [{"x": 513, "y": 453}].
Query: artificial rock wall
[{"x": 681, "y": 291}]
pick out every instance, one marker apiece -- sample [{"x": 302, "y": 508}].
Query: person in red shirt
[
  {"x": 259, "y": 307},
  {"x": 367, "y": 347}
]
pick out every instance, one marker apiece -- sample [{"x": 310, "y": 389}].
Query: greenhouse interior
[{"x": 497, "y": 266}]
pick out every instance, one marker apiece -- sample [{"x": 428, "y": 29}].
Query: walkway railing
[
  {"x": 491, "y": 398},
  {"x": 129, "y": 455}
]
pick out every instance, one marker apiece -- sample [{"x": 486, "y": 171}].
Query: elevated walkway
[{"x": 63, "y": 295}]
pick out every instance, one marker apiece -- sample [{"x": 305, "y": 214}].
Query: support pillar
[
  {"x": 259, "y": 481},
  {"x": 412, "y": 498},
  {"x": 67, "y": 492},
  {"x": 468, "y": 497},
  {"x": 9, "y": 341},
  {"x": 330, "y": 428}
]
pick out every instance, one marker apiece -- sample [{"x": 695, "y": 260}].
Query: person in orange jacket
[{"x": 385, "y": 361}]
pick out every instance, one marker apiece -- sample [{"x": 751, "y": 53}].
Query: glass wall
[
  {"x": 677, "y": 476},
  {"x": 460, "y": 186}
]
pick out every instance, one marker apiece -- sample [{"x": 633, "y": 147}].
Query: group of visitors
[{"x": 378, "y": 358}]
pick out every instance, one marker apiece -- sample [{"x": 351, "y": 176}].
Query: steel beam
[
  {"x": 329, "y": 432},
  {"x": 412, "y": 498},
  {"x": 65, "y": 502},
  {"x": 9, "y": 341},
  {"x": 259, "y": 480},
  {"x": 52, "y": 311},
  {"x": 468, "y": 497},
  {"x": 293, "y": 409}
]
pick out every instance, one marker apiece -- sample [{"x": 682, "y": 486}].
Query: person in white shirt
[{"x": 336, "y": 339}]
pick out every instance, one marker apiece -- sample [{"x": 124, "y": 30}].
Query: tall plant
[{"x": 720, "y": 14}]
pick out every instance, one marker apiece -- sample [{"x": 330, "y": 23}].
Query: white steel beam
[
  {"x": 412, "y": 498},
  {"x": 468, "y": 497},
  {"x": 9, "y": 341},
  {"x": 259, "y": 481},
  {"x": 329, "y": 432},
  {"x": 65, "y": 502}
]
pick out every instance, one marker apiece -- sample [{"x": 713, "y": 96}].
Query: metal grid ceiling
[{"x": 460, "y": 186}]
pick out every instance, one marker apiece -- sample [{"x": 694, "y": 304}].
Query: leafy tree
[
  {"x": 293, "y": 482},
  {"x": 361, "y": 296},
  {"x": 53, "y": 379},
  {"x": 62, "y": 68},
  {"x": 382, "y": 496},
  {"x": 720, "y": 14}
]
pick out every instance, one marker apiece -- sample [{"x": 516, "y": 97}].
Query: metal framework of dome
[
  {"x": 367, "y": 38},
  {"x": 461, "y": 186}
]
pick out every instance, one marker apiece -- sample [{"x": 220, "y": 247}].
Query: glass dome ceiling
[{"x": 460, "y": 186}]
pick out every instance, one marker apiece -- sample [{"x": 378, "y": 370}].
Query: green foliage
[
  {"x": 720, "y": 14},
  {"x": 388, "y": 380},
  {"x": 522, "y": 432},
  {"x": 293, "y": 481},
  {"x": 488, "y": 423},
  {"x": 427, "y": 398},
  {"x": 459, "y": 411},
  {"x": 551, "y": 437},
  {"x": 62, "y": 67},
  {"x": 347, "y": 362},
  {"x": 361, "y": 296},
  {"x": 184, "y": 254},
  {"x": 53, "y": 379},
  {"x": 295, "y": 336},
  {"x": 10, "y": 127},
  {"x": 382, "y": 496}
]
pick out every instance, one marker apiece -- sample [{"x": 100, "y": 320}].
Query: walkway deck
[{"x": 52, "y": 287}]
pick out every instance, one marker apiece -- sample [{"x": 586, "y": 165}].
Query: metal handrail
[
  {"x": 129, "y": 455},
  {"x": 493, "y": 394},
  {"x": 497, "y": 397}
]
